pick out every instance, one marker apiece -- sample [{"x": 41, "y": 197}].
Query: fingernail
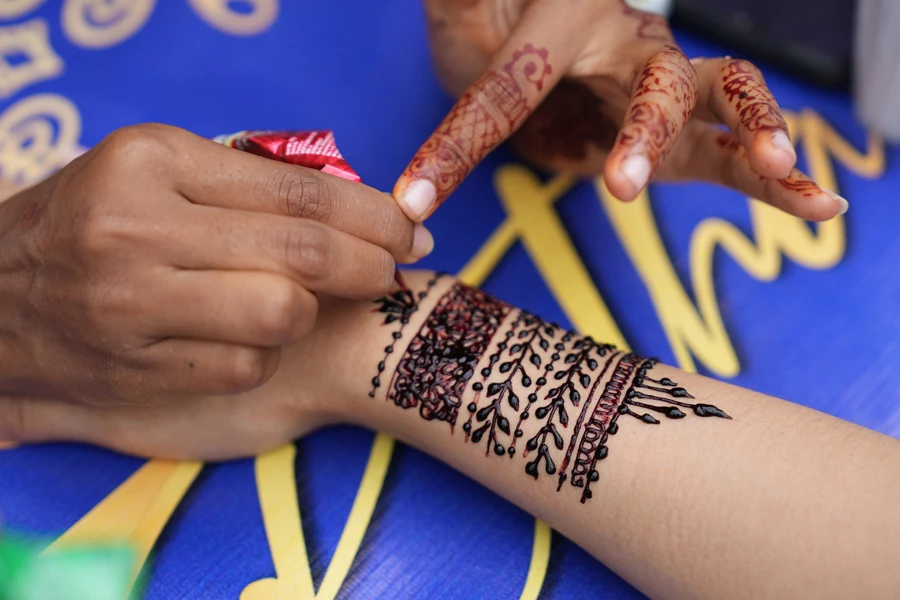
[
  {"x": 418, "y": 198},
  {"x": 843, "y": 205},
  {"x": 782, "y": 142},
  {"x": 637, "y": 170},
  {"x": 423, "y": 242}
]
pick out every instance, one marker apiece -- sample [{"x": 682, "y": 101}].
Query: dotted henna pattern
[
  {"x": 485, "y": 115},
  {"x": 443, "y": 355},
  {"x": 572, "y": 389},
  {"x": 752, "y": 100}
]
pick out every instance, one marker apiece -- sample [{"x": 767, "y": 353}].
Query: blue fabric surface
[{"x": 829, "y": 339}]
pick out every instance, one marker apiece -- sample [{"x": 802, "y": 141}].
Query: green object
[{"x": 97, "y": 572}]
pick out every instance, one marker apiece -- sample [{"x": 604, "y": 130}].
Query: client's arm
[{"x": 685, "y": 486}]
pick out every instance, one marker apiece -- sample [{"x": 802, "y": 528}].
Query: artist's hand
[
  {"x": 598, "y": 87},
  {"x": 319, "y": 377},
  {"x": 161, "y": 266}
]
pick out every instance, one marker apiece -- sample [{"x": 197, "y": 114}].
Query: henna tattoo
[
  {"x": 399, "y": 307},
  {"x": 650, "y": 25},
  {"x": 534, "y": 368},
  {"x": 728, "y": 142},
  {"x": 648, "y": 128},
  {"x": 442, "y": 357},
  {"x": 801, "y": 184},
  {"x": 492, "y": 108},
  {"x": 751, "y": 98}
]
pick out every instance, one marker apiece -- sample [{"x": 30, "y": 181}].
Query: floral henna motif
[
  {"x": 442, "y": 357},
  {"x": 648, "y": 128},
  {"x": 534, "y": 368},
  {"x": 752, "y": 100},
  {"x": 485, "y": 115}
]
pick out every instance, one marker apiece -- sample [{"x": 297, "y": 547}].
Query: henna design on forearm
[
  {"x": 484, "y": 116},
  {"x": 533, "y": 368},
  {"x": 751, "y": 98},
  {"x": 399, "y": 307},
  {"x": 441, "y": 359}
]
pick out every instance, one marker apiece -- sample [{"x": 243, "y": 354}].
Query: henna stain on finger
[
  {"x": 649, "y": 129},
  {"x": 492, "y": 108},
  {"x": 746, "y": 91},
  {"x": 799, "y": 183}
]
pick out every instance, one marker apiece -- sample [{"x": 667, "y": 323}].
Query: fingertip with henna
[
  {"x": 417, "y": 198},
  {"x": 631, "y": 176},
  {"x": 842, "y": 203},
  {"x": 777, "y": 153}
]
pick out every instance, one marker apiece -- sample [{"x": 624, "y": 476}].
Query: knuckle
[
  {"x": 134, "y": 146},
  {"x": 102, "y": 231},
  {"x": 279, "y": 311},
  {"x": 309, "y": 251},
  {"x": 384, "y": 270},
  {"x": 303, "y": 195},
  {"x": 740, "y": 66},
  {"x": 247, "y": 370}
]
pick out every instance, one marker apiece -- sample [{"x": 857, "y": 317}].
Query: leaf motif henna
[{"x": 439, "y": 366}]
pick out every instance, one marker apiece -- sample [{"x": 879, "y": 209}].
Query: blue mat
[{"x": 814, "y": 321}]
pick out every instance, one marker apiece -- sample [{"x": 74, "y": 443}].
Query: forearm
[{"x": 716, "y": 492}]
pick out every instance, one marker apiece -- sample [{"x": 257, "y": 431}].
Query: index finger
[
  {"x": 521, "y": 74},
  {"x": 213, "y": 175}
]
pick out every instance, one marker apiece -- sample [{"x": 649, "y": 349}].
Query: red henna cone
[{"x": 661, "y": 104}]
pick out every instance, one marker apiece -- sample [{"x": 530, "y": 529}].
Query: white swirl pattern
[{"x": 104, "y": 23}]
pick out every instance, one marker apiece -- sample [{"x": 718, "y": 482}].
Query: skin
[
  {"x": 160, "y": 265},
  {"x": 600, "y": 88},
  {"x": 687, "y": 508}
]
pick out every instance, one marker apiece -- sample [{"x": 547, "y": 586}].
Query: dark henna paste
[{"x": 535, "y": 372}]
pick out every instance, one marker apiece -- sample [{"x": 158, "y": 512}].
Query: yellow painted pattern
[{"x": 136, "y": 511}]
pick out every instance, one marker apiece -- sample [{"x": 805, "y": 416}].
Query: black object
[{"x": 811, "y": 39}]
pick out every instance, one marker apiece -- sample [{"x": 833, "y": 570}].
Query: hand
[
  {"x": 160, "y": 265},
  {"x": 318, "y": 383},
  {"x": 598, "y": 87}
]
